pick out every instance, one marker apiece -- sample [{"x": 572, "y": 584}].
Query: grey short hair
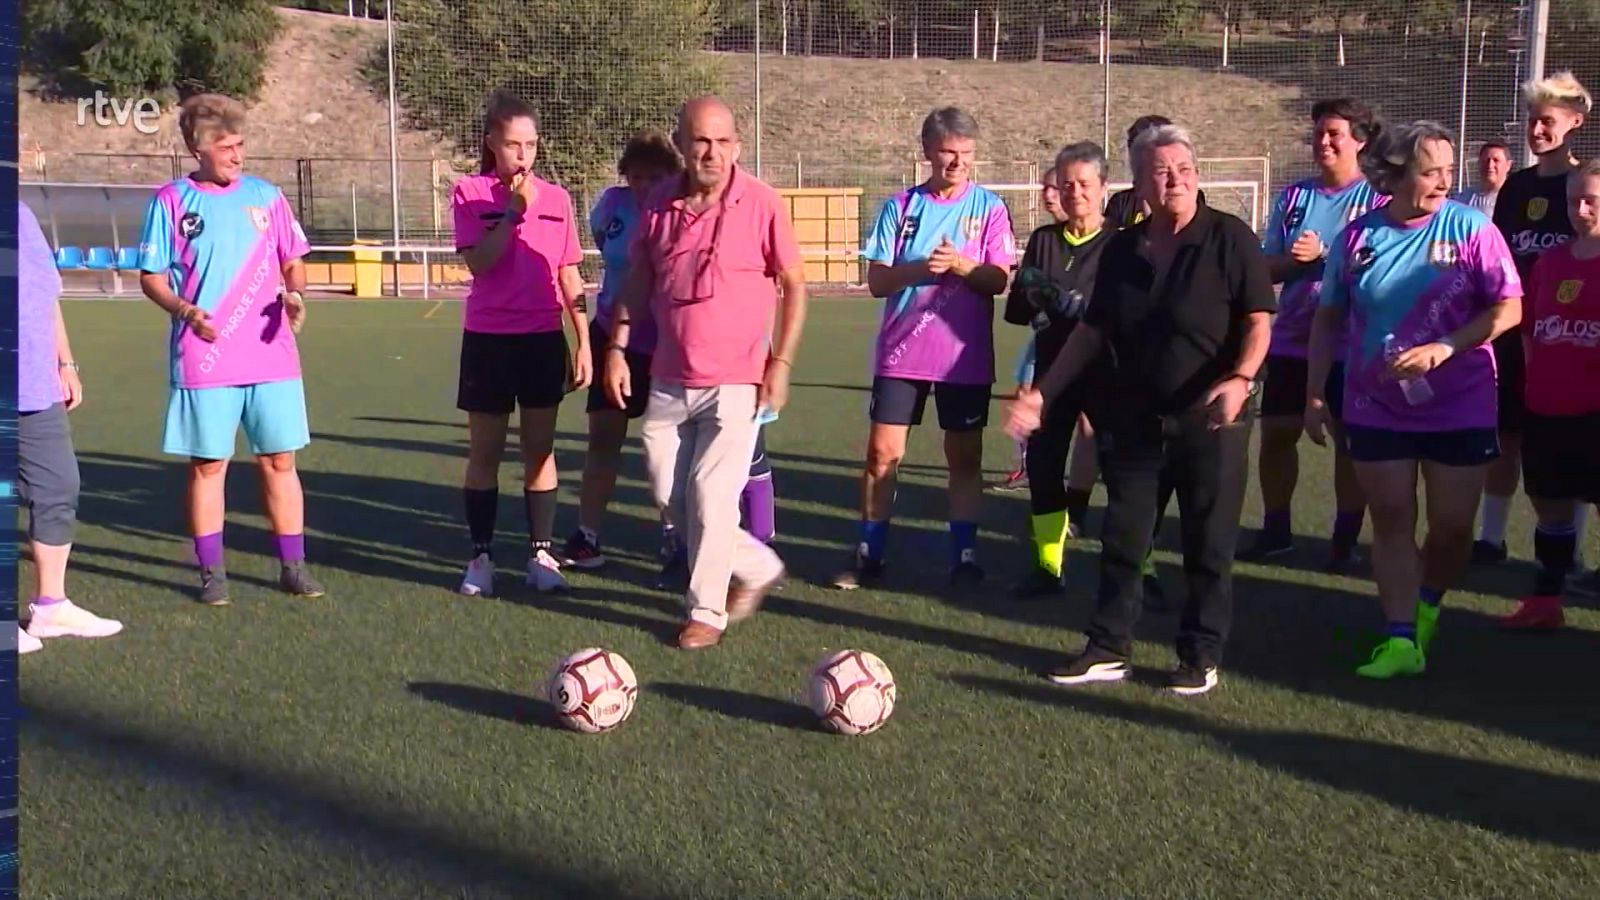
[
  {"x": 1083, "y": 152},
  {"x": 948, "y": 121},
  {"x": 1391, "y": 155},
  {"x": 1157, "y": 137}
]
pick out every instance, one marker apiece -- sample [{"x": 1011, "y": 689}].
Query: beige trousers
[{"x": 697, "y": 445}]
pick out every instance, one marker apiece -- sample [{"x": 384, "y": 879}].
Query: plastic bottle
[{"x": 1417, "y": 391}]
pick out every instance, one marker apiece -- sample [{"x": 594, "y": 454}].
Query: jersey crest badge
[
  {"x": 1362, "y": 258},
  {"x": 1443, "y": 254},
  {"x": 971, "y": 227},
  {"x": 191, "y": 226},
  {"x": 259, "y": 218},
  {"x": 1569, "y": 290},
  {"x": 1537, "y": 207}
]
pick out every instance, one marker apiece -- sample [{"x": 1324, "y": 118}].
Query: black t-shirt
[
  {"x": 1172, "y": 335},
  {"x": 1531, "y": 212},
  {"x": 1069, "y": 267},
  {"x": 1123, "y": 210}
]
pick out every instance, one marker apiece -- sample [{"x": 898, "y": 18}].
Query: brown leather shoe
[
  {"x": 744, "y": 600},
  {"x": 698, "y": 636}
]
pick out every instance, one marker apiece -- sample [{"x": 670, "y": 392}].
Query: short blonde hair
[
  {"x": 1561, "y": 89},
  {"x": 205, "y": 117}
]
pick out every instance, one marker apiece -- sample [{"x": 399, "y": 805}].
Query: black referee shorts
[{"x": 500, "y": 372}]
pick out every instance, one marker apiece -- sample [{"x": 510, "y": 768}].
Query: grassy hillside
[{"x": 825, "y": 121}]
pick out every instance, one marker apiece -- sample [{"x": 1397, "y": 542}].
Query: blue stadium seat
[
  {"x": 101, "y": 258},
  {"x": 69, "y": 258},
  {"x": 128, "y": 258}
]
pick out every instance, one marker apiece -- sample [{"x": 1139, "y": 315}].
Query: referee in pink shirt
[{"x": 714, "y": 253}]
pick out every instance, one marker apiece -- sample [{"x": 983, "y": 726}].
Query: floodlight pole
[
  {"x": 1461, "y": 134},
  {"x": 758, "y": 89},
  {"x": 394, "y": 144},
  {"x": 1541, "y": 35}
]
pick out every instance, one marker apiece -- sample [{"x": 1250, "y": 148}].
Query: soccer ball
[
  {"x": 592, "y": 690},
  {"x": 852, "y": 692}
]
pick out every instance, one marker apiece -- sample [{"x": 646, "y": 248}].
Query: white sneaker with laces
[
  {"x": 544, "y": 574},
  {"x": 479, "y": 579},
  {"x": 27, "y": 643},
  {"x": 67, "y": 619}
]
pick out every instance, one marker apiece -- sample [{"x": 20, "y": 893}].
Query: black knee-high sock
[
  {"x": 481, "y": 508},
  {"x": 541, "y": 508},
  {"x": 1556, "y": 549}
]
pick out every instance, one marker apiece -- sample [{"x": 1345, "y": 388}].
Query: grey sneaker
[
  {"x": 296, "y": 580},
  {"x": 214, "y": 587}
]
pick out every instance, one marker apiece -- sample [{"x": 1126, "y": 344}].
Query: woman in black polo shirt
[{"x": 1183, "y": 307}]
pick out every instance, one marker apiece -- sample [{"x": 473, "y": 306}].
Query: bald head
[{"x": 708, "y": 138}]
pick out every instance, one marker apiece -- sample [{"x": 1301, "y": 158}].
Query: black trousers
[
  {"x": 1142, "y": 457},
  {"x": 1049, "y": 449}
]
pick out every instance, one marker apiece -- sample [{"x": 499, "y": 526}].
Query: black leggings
[{"x": 1049, "y": 449}]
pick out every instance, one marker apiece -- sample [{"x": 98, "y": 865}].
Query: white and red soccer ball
[
  {"x": 592, "y": 691},
  {"x": 852, "y": 692}
]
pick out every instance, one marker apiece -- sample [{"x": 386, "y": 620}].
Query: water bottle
[{"x": 1417, "y": 390}]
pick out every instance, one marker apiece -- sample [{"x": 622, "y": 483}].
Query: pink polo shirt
[
  {"x": 520, "y": 294},
  {"x": 715, "y": 291}
]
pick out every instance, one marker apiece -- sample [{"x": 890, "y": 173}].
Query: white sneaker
[
  {"x": 544, "y": 574},
  {"x": 67, "y": 619},
  {"x": 479, "y": 579},
  {"x": 27, "y": 643}
]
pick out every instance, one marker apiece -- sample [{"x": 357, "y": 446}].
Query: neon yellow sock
[{"x": 1050, "y": 537}]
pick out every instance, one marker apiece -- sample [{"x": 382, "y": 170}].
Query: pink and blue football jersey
[
  {"x": 223, "y": 249},
  {"x": 1419, "y": 281},
  {"x": 1308, "y": 206},
  {"x": 940, "y": 330}
]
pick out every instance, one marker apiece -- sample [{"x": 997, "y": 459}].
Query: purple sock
[
  {"x": 758, "y": 508},
  {"x": 1347, "y": 526},
  {"x": 208, "y": 550},
  {"x": 47, "y": 601},
  {"x": 1275, "y": 522},
  {"x": 292, "y": 548}
]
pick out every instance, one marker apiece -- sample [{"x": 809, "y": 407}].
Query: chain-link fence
[{"x": 830, "y": 93}]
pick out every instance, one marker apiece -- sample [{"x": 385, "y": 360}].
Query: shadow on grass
[
  {"x": 1508, "y": 800},
  {"x": 490, "y": 702},
  {"x": 737, "y": 704},
  {"x": 307, "y": 804}
]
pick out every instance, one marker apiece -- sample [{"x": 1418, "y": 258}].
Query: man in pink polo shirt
[{"x": 714, "y": 248}]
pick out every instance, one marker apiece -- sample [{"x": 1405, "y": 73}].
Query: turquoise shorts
[{"x": 203, "y": 423}]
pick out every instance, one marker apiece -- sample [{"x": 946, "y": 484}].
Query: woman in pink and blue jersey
[
  {"x": 519, "y": 237},
  {"x": 613, "y": 223},
  {"x": 1305, "y": 222},
  {"x": 1415, "y": 292},
  {"x": 221, "y": 254},
  {"x": 939, "y": 254}
]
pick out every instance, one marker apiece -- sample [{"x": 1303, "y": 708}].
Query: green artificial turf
[{"x": 384, "y": 741}]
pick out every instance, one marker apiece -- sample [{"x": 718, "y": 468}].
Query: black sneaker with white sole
[
  {"x": 1267, "y": 545},
  {"x": 864, "y": 572},
  {"x": 1039, "y": 583},
  {"x": 1191, "y": 680},
  {"x": 1092, "y": 665}
]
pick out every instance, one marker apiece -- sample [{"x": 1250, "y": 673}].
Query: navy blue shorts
[
  {"x": 1284, "y": 393},
  {"x": 1464, "y": 447},
  {"x": 901, "y": 401}
]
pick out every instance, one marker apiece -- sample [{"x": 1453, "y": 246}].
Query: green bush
[
  {"x": 127, "y": 47},
  {"x": 597, "y": 71}
]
